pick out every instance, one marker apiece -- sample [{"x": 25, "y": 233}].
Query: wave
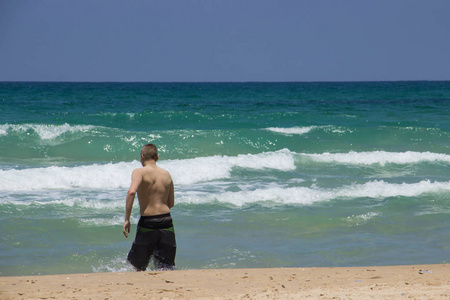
[
  {"x": 195, "y": 170},
  {"x": 45, "y": 131},
  {"x": 362, "y": 219},
  {"x": 311, "y": 195},
  {"x": 303, "y": 130},
  {"x": 117, "y": 175},
  {"x": 86, "y": 177},
  {"x": 275, "y": 195},
  {"x": 379, "y": 157},
  {"x": 291, "y": 130},
  {"x": 201, "y": 169}
]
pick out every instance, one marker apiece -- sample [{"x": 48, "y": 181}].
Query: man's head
[{"x": 149, "y": 152}]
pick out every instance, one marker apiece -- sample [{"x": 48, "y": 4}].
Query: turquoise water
[{"x": 266, "y": 174}]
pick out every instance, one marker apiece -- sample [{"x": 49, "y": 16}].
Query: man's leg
[
  {"x": 165, "y": 251},
  {"x": 142, "y": 249}
]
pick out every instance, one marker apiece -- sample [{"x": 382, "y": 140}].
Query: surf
[
  {"x": 199, "y": 169},
  {"x": 377, "y": 189},
  {"x": 379, "y": 157}
]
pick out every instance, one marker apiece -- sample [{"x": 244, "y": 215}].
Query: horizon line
[{"x": 212, "y": 82}]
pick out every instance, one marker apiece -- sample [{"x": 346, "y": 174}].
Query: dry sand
[{"x": 391, "y": 282}]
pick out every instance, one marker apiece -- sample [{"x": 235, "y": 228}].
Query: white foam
[
  {"x": 117, "y": 176},
  {"x": 363, "y": 218},
  {"x": 85, "y": 177},
  {"x": 303, "y": 130},
  {"x": 4, "y": 129},
  {"x": 112, "y": 265},
  {"x": 380, "y": 157},
  {"x": 90, "y": 202},
  {"x": 380, "y": 189},
  {"x": 274, "y": 195},
  {"x": 201, "y": 169},
  {"x": 291, "y": 130},
  {"x": 100, "y": 222},
  {"x": 310, "y": 195},
  {"x": 45, "y": 131},
  {"x": 85, "y": 203}
]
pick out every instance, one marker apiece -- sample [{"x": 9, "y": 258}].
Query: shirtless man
[{"x": 155, "y": 235}]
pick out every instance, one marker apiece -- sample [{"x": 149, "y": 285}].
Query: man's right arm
[{"x": 136, "y": 179}]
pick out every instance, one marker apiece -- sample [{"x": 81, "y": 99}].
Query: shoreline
[{"x": 381, "y": 282}]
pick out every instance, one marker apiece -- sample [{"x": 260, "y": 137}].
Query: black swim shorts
[{"x": 155, "y": 237}]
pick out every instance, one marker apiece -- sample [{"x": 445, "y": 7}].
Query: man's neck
[{"x": 149, "y": 162}]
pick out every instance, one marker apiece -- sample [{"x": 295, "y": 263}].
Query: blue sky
[{"x": 245, "y": 40}]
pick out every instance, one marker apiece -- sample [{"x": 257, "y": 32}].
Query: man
[{"x": 155, "y": 235}]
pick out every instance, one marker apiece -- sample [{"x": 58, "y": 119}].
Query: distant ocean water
[{"x": 266, "y": 174}]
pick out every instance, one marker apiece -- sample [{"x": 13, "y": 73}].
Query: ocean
[{"x": 266, "y": 174}]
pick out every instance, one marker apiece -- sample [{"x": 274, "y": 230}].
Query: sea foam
[
  {"x": 268, "y": 196},
  {"x": 311, "y": 195},
  {"x": 117, "y": 175},
  {"x": 297, "y": 130},
  {"x": 200, "y": 169},
  {"x": 80, "y": 177},
  {"x": 45, "y": 131},
  {"x": 291, "y": 130},
  {"x": 191, "y": 171},
  {"x": 379, "y": 157}
]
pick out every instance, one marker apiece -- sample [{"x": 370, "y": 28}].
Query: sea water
[{"x": 266, "y": 174}]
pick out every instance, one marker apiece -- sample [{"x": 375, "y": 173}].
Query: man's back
[{"x": 155, "y": 191}]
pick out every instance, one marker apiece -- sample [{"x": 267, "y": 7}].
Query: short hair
[{"x": 149, "y": 152}]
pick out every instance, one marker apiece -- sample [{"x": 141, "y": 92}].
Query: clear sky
[{"x": 224, "y": 40}]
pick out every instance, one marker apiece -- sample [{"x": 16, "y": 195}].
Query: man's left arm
[{"x": 171, "y": 198}]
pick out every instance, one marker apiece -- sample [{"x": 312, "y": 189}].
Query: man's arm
[{"x": 136, "y": 179}]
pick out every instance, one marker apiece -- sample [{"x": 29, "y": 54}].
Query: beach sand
[{"x": 390, "y": 282}]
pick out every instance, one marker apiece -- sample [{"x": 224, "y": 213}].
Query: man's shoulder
[
  {"x": 155, "y": 170},
  {"x": 139, "y": 171},
  {"x": 165, "y": 173}
]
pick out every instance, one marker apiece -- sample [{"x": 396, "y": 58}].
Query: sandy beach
[{"x": 389, "y": 282}]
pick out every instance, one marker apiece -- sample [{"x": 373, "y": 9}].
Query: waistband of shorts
[
  {"x": 156, "y": 222},
  {"x": 156, "y": 216}
]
